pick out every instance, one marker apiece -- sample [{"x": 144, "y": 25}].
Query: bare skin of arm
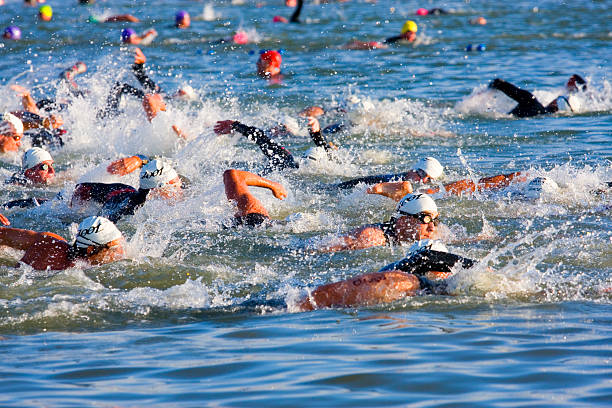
[
  {"x": 237, "y": 183},
  {"x": 393, "y": 190},
  {"x": 367, "y": 289},
  {"x": 467, "y": 186},
  {"x": 360, "y": 238},
  {"x": 122, "y": 17},
  {"x": 19, "y": 238},
  {"x": 29, "y": 104}
]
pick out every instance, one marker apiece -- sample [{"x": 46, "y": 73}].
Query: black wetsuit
[
  {"x": 279, "y": 157},
  {"x": 427, "y": 260},
  {"x": 379, "y": 178},
  {"x": 295, "y": 17},
  {"x": 119, "y": 89},
  {"x": 117, "y": 199},
  {"x": 388, "y": 229},
  {"x": 40, "y": 136},
  {"x": 528, "y": 105}
]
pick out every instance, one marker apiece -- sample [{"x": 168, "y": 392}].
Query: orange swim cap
[{"x": 272, "y": 58}]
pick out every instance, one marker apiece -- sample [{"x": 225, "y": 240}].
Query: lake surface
[{"x": 200, "y": 315}]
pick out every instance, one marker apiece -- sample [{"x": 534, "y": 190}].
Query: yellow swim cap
[
  {"x": 409, "y": 25},
  {"x": 46, "y": 10}
]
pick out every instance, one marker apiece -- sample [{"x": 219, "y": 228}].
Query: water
[{"x": 202, "y": 316}]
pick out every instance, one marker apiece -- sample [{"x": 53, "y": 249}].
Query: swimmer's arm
[
  {"x": 180, "y": 133},
  {"x": 18, "y": 238},
  {"x": 361, "y": 238},
  {"x": 392, "y": 40},
  {"x": 369, "y": 288},
  {"x": 295, "y": 17},
  {"x": 393, "y": 190},
  {"x": 512, "y": 91},
  {"x": 467, "y": 186},
  {"x": 122, "y": 17},
  {"x": 28, "y": 103},
  {"x": 314, "y": 128},
  {"x": 25, "y": 203}
]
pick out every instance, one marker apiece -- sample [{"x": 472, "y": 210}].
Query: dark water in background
[{"x": 196, "y": 316}]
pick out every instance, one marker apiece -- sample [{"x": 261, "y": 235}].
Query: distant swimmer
[
  {"x": 251, "y": 212},
  {"x": 269, "y": 64},
  {"x": 45, "y": 13},
  {"x": 433, "y": 12},
  {"x": 407, "y": 34},
  {"x": 478, "y": 21},
  {"x": 129, "y": 36},
  {"x": 12, "y": 32},
  {"x": 295, "y": 17},
  {"x": 119, "y": 18},
  {"x": 36, "y": 169},
  {"x": 11, "y": 132},
  {"x": 415, "y": 218},
  {"x": 528, "y": 105},
  {"x": 423, "y": 271},
  {"x": 424, "y": 171},
  {"x": 182, "y": 19},
  {"x": 98, "y": 242}
]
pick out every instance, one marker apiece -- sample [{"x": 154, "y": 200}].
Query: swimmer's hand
[
  {"x": 20, "y": 90},
  {"x": 153, "y": 104},
  {"x": 139, "y": 57},
  {"x": 313, "y": 111},
  {"x": 393, "y": 190},
  {"x": 4, "y": 220},
  {"x": 224, "y": 127},
  {"x": 179, "y": 132},
  {"x": 124, "y": 166},
  {"x": 313, "y": 124},
  {"x": 278, "y": 190}
]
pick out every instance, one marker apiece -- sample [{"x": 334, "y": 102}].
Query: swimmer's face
[
  {"x": 409, "y": 36},
  {"x": 42, "y": 173},
  {"x": 416, "y": 227},
  {"x": 267, "y": 69},
  {"x": 184, "y": 22},
  {"x": 417, "y": 176},
  {"x": 10, "y": 142},
  {"x": 113, "y": 251},
  {"x": 171, "y": 191}
]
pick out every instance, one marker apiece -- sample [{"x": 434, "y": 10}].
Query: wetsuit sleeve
[
  {"x": 114, "y": 97},
  {"x": 25, "y": 203},
  {"x": 295, "y": 17},
  {"x": 391, "y": 40},
  {"x": 279, "y": 157},
  {"x": 142, "y": 77},
  {"x": 125, "y": 203},
  {"x": 379, "y": 178},
  {"x": 319, "y": 140},
  {"x": 528, "y": 105}
]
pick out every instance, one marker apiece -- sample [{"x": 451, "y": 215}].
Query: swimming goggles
[{"x": 425, "y": 218}]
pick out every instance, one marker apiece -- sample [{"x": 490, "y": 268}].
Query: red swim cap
[{"x": 272, "y": 58}]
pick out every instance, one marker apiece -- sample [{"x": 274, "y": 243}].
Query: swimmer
[
  {"x": 295, "y": 17},
  {"x": 182, "y": 19},
  {"x": 415, "y": 218},
  {"x": 478, "y": 21},
  {"x": 11, "y": 132},
  {"x": 422, "y": 271},
  {"x": 129, "y": 36},
  {"x": 36, "y": 168},
  {"x": 424, "y": 171},
  {"x": 434, "y": 12},
  {"x": 153, "y": 104},
  {"x": 408, "y": 33},
  {"x": 98, "y": 242},
  {"x": 120, "y": 18},
  {"x": 45, "y": 13},
  {"x": 251, "y": 212},
  {"x": 528, "y": 105},
  {"x": 12, "y": 33},
  {"x": 269, "y": 64}
]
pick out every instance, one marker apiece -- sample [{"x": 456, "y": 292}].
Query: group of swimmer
[{"x": 98, "y": 241}]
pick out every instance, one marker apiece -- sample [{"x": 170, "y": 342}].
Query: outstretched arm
[
  {"x": 237, "y": 183},
  {"x": 367, "y": 289},
  {"x": 140, "y": 74},
  {"x": 393, "y": 190},
  {"x": 360, "y": 238},
  {"x": 28, "y": 103},
  {"x": 18, "y": 238},
  {"x": 512, "y": 91},
  {"x": 467, "y": 186}
]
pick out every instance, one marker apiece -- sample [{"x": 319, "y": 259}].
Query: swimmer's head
[
  {"x": 11, "y": 124},
  {"x": 576, "y": 83},
  {"x": 37, "y": 165},
  {"x": 182, "y": 19},
  {"x": 158, "y": 174},
  {"x": 431, "y": 166},
  {"x": 45, "y": 13},
  {"x": 12, "y": 33},
  {"x": 240, "y": 37},
  {"x": 279, "y": 19},
  {"x": 412, "y": 204},
  {"x": 416, "y": 217},
  {"x": 186, "y": 92},
  {"x": 126, "y": 35},
  {"x": 290, "y": 3},
  {"x": 478, "y": 21},
  {"x": 99, "y": 240},
  {"x": 409, "y": 26},
  {"x": 540, "y": 187},
  {"x": 316, "y": 154},
  {"x": 269, "y": 63},
  {"x": 422, "y": 12}
]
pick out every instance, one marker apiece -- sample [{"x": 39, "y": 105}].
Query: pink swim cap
[
  {"x": 240, "y": 37},
  {"x": 279, "y": 19},
  {"x": 422, "y": 12}
]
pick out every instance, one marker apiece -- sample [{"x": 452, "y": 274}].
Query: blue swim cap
[
  {"x": 126, "y": 33},
  {"x": 12, "y": 33}
]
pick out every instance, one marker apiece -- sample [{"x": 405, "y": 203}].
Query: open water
[{"x": 203, "y": 316}]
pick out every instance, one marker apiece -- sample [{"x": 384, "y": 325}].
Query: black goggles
[{"x": 425, "y": 218}]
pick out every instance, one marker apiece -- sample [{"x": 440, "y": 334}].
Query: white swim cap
[
  {"x": 96, "y": 231},
  {"x": 541, "y": 185},
  {"x": 316, "y": 153},
  {"x": 423, "y": 244},
  {"x": 156, "y": 173},
  {"x": 431, "y": 166},
  {"x": 34, "y": 156},
  {"x": 15, "y": 123},
  {"x": 415, "y": 203},
  {"x": 187, "y": 92}
]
